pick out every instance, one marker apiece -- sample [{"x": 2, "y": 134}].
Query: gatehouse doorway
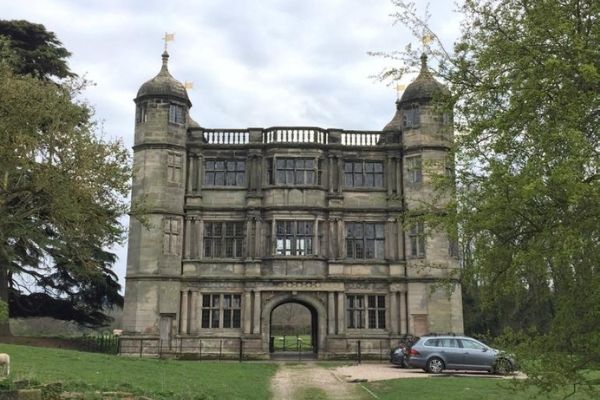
[
  {"x": 293, "y": 330},
  {"x": 308, "y": 302}
]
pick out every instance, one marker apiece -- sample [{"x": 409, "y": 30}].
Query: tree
[
  {"x": 525, "y": 80},
  {"x": 62, "y": 190},
  {"x": 30, "y": 49},
  {"x": 64, "y": 286}
]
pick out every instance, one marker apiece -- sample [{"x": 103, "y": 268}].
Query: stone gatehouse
[{"x": 241, "y": 221}]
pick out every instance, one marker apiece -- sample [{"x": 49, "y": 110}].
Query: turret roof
[
  {"x": 424, "y": 87},
  {"x": 164, "y": 85}
]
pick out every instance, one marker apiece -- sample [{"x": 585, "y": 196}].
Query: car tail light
[{"x": 413, "y": 352}]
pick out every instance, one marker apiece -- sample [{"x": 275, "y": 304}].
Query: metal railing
[
  {"x": 198, "y": 349},
  {"x": 235, "y": 349}
]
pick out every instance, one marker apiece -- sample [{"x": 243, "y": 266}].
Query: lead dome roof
[
  {"x": 422, "y": 89},
  {"x": 164, "y": 85}
]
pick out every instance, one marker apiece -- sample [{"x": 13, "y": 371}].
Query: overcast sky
[{"x": 253, "y": 63}]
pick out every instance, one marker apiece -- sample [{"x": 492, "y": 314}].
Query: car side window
[
  {"x": 469, "y": 344},
  {"x": 452, "y": 343},
  {"x": 432, "y": 343}
]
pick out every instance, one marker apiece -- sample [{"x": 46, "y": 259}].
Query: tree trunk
[{"x": 4, "y": 280}]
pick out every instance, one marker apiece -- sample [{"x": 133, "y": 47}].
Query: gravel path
[
  {"x": 376, "y": 372},
  {"x": 379, "y": 372},
  {"x": 292, "y": 379},
  {"x": 345, "y": 382}
]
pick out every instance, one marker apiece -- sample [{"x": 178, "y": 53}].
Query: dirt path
[{"x": 303, "y": 381}]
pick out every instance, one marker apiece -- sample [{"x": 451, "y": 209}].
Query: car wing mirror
[{"x": 484, "y": 349}]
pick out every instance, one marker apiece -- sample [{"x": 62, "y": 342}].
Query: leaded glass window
[
  {"x": 365, "y": 240},
  {"x": 367, "y": 174}
]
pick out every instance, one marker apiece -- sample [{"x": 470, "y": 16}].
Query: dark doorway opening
[{"x": 293, "y": 330}]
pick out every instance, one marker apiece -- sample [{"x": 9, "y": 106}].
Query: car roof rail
[{"x": 441, "y": 334}]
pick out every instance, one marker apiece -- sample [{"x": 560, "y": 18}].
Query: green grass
[
  {"x": 159, "y": 379},
  {"x": 456, "y": 388},
  {"x": 310, "y": 393},
  {"x": 292, "y": 343}
]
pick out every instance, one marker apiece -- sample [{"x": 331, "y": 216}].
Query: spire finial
[
  {"x": 169, "y": 37},
  {"x": 165, "y": 61},
  {"x": 423, "y": 61}
]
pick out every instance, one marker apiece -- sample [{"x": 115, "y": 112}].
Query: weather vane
[
  {"x": 426, "y": 39},
  {"x": 169, "y": 37},
  {"x": 399, "y": 89}
]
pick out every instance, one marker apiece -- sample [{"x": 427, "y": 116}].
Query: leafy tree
[
  {"x": 62, "y": 191},
  {"x": 525, "y": 80},
  {"x": 30, "y": 49}
]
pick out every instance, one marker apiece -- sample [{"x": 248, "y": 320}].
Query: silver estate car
[{"x": 437, "y": 353}]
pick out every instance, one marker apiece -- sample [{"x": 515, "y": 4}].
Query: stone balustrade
[
  {"x": 360, "y": 138},
  {"x": 226, "y": 136},
  {"x": 295, "y": 135},
  {"x": 289, "y": 135}
]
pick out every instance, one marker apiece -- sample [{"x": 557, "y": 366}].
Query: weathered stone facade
[{"x": 244, "y": 220}]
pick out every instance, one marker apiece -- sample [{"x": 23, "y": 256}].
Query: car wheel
[
  {"x": 435, "y": 365},
  {"x": 503, "y": 366}
]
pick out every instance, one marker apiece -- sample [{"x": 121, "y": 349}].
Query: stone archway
[{"x": 316, "y": 308}]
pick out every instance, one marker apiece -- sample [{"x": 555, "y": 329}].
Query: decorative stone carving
[{"x": 306, "y": 284}]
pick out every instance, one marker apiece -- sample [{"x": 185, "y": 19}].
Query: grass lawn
[
  {"x": 159, "y": 379},
  {"x": 455, "y": 388},
  {"x": 311, "y": 393},
  {"x": 292, "y": 342}
]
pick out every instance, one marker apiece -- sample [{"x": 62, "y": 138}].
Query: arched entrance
[
  {"x": 317, "y": 320},
  {"x": 293, "y": 328}
]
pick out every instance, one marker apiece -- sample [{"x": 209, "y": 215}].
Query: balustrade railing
[
  {"x": 226, "y": 136},
  {"x": 292, "y": 135},
  {"x": 360, "y": 138}
]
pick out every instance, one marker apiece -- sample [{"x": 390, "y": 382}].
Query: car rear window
[{"x": 432, "y": 342}]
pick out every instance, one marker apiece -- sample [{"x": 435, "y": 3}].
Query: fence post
[
  {"x": 141, "y": 347},
  {"x": 220, "y": 349},
  {"x": 359, "y": 355},
  {"x": 200, "y": 356},
  {"x": 241, "y": 349},
  {"x": 380, "y": 352}
]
